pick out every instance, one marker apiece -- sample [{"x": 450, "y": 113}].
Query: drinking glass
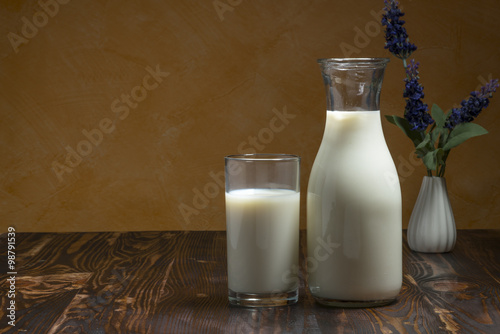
[{"x": 262, "y": 223}]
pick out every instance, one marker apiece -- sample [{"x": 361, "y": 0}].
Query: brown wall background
[{"x": 222, "y": 75}]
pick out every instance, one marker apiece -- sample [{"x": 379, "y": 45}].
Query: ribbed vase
[{"x": 432, "y": 224}]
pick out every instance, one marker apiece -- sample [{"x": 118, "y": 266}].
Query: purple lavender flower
[
  {"x": 396, "y": 37},
  {"x": 416, "y": 110},
  {"x": 471, "y": 107}
]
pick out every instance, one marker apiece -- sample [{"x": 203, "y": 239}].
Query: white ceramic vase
[{"x": 432, "y": 225}]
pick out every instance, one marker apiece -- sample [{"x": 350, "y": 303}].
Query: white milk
[
  {"x": 354, "y": 212},
  {"x": 262, "y": 240}
]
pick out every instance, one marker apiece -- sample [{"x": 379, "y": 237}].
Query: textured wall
[{"x": 116, "y": 115}]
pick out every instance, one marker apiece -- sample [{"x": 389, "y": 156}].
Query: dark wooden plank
[
  {"x": 41, "y": 299},
  {"x": 126, "y": 288},
  {"x": 460, "y": 286},
  {"x": 176, "y": 282}
]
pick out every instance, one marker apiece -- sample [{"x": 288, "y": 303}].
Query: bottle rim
[
  {"x": 353, "y": 62},
  {"x": 264, "y": 157}
]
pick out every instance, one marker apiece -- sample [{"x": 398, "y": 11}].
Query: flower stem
[
  {"x": 406, "y": 67},
  {"x": 443, "y": 166}
]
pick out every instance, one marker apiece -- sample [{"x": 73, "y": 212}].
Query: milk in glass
[{"x": 262, "y": 240}]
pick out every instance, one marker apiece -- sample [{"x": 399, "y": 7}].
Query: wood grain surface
[{"x": 176, "y": 282}]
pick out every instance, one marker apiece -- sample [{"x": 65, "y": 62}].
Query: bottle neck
[{"x": 353, "y": 84}]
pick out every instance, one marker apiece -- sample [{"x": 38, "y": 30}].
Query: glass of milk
[{"x": 262, "y": 222}]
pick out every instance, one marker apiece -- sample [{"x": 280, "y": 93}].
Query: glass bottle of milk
[{"x": 354, "y": 232}]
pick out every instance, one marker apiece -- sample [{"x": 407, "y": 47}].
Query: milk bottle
[{"x": 354, "y": 227}]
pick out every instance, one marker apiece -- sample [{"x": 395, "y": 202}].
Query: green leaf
[
  {"x": 438, "y": 115},
  {"x": 435, "y": 134},
  {"x": 461, "y": 133},
  {"x": 427, "y": 140},
  {"x": 390, "y": 118},
  {"x": 433, "y": 158},
  {"x": 430, "y": 160},
  {"x": 440, "y": 136},
  {"x": 402, "y": 123},
  {"x": 439, "y": 153},
  {"x": 421, "y": 153}
]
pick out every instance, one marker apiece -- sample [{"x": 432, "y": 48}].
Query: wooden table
[{"x": 175, "y": 282}]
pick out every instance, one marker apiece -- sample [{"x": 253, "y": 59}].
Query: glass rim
[{"x": 263, "y": 157}]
